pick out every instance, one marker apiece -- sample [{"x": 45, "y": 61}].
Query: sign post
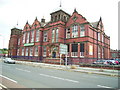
[
  {"x": 63, "y": 50},
  {"x": 66, "y": 60},
  {"x": 60, "y": 59}
]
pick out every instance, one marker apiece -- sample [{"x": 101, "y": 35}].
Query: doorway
[{"x": 54, "y": 55}]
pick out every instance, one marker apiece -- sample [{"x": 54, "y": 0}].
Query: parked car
[
  {"x": 105, "y": 62},
  {"x": 100, "y": 62},
  {"x": 113, "y": 62},
  {"x": 9, "y": 60},
  {"x": 118, "y": 60}
]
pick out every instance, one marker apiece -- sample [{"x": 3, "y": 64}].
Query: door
[{"x": 54, "y": 55}]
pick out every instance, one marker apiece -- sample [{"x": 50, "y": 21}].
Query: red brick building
[
  {"x": 115, "y": 54},
  {"x": 40, "y": 41}
]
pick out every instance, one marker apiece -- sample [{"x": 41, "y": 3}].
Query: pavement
[{"x": 77, "y": 68}]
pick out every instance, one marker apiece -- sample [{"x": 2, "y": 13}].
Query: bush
[{"x": 117, "y": 67}]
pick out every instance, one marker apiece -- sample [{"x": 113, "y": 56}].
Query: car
[
  {"x": 98, "y": 62},
  {"x": 113, "y": 62},
  {"x": 118, "y": 60},
  {"x": 9, "y": 60},
  {"x": 105, "y": 62}
]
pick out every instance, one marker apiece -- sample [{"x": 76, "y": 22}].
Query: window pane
[
  {"x": 44, "y": 51},
  {"x": 68, "y": 47},
  {"x": 57, "y": 35},
  {"x": 75, "y": 31},
  {"x": 82, "y": 31},
  {"x": 74, "y": 47},
  {"x": 22, "y": 51},
  {"x": 32, "y": 36},
  {"x": 19, "y": 41},
  {"x": 53, "y": 33},
  {"x": 81, "y": 47},
  {"x": 36, "y": 51},
  {"x": 37, "y": 35},
  {"x": 24, "y": 37},
  {"x": 31, "y": 51},
  {"x": 68, "y": 33},
  {"x": 18, "y": 52},
  {"x": 28, "y": 34},
  {"x": 45, "y": 36},
  {"x": 26, "y": 52},
  {"x": 99, "y": 36}
]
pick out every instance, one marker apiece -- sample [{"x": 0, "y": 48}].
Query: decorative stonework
[{"x": 75, "y": 18}]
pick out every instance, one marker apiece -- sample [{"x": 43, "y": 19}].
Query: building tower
[{"x": 13, "y": 42}]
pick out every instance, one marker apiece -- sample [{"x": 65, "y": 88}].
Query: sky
[{"x": 21, "y": 11}]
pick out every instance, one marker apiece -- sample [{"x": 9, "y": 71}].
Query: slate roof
[{"x": 94, "y": 24}]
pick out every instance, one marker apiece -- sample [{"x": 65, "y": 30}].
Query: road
[{"x": 22, "y": 76}]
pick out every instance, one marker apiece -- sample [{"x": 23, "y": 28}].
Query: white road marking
[
  {"x": 2, "y": 86},
  {"x": 60, "y": 78},
  {"x": 22, "y": 70},
  {"x": 103, "y": 86},
  {"x": 8, "y": 78}
]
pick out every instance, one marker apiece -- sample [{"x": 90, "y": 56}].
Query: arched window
[
  {"x": 56, "y": 18},
  {"x": 64, "y": 18},
  {"x": 59, "y": 16},
  {"x": 51, "y": 18}
]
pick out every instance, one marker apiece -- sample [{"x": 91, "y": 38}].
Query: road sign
[
  {"x": 63, "y": 49},
  {"x": 28, "y": 44}
]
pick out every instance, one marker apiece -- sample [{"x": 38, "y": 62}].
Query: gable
[
  {"x": 100, "y": 25},
  {"x": 36, "y": 24},
  {"x": 27, "y": 27},
  {"x": 76, "y": 18}
]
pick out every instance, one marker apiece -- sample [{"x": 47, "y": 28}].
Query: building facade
[
  {"x": 115, "y": 54},
  {"x": 40, "y": 41}
]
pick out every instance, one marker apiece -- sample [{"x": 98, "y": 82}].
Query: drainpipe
[
  {"x": 97, "y": 45},
  {"x": 41, "y": 41}
]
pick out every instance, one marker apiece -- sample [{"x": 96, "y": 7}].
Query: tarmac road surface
[{"x": 22, "y": 76}]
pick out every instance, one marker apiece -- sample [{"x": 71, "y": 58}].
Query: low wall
[{"x": 53, "y": 61}]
